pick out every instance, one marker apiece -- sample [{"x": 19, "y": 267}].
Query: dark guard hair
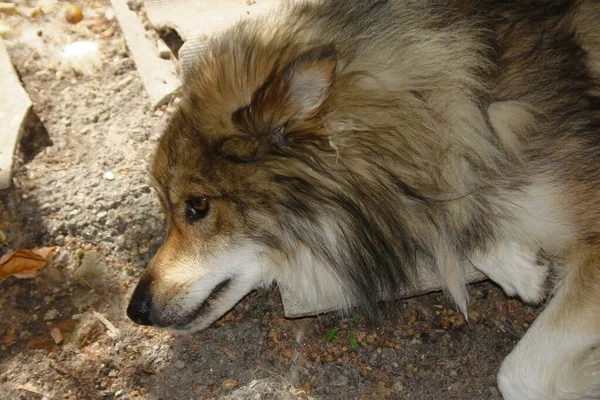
[
  {"x": 345, "y": 149},
  {"x": 374, "y": 164}
]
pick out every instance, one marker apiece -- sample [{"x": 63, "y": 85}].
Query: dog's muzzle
[{"x": 141, "y": 303}]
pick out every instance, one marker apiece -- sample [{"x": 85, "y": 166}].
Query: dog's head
[
  {"x": 215, "y": 171},
  {"x": 282, "y": 164}
]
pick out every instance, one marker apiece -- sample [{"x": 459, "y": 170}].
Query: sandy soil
[{"x": 88, "y": 194}]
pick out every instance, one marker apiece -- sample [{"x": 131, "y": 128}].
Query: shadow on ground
[{"x": 421, "y": 350}]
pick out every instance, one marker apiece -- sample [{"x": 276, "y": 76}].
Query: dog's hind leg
[{"x": 559, "y": 357}]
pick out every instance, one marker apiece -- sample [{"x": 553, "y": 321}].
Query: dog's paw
[
  {"x": 541, "y": 370},
  {"x": 516, "y": 269}
]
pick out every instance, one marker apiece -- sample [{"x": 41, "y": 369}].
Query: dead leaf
[{"x": 24, "y": 262}]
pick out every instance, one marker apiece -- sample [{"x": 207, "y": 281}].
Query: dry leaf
[{"x": 24, "y": 262}]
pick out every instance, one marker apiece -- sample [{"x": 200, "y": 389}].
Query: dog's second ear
[
  {"x": 305, "y": 82},
  {"x": 292, "y": 95}
]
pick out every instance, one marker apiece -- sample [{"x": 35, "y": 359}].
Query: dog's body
[{"x": 340, "y": 147}]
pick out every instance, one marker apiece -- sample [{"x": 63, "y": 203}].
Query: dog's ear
[
  {"x": 296, "y": 90},
  {"x": 304, "y": 84},
  {"x": 292, "y": 94}
]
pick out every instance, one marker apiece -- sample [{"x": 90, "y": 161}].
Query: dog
[{"x": 338, "y": 146}]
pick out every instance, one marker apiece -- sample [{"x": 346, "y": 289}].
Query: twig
[
  {"x": 28, "y": 387},
  {"x": 86, "y": 282},
  {"x": 148, "y": 371},
  {"x": 112, "y": 331}
]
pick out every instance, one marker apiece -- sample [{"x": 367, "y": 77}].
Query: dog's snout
[{"x": 141, "y": 303}]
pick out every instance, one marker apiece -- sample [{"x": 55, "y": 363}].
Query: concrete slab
[
  {"x": 192, "y": 18},
  {"x": 158, "y": 75},
  {"x": 197, "y": 20},
  {"x": 15, "y": 105}
]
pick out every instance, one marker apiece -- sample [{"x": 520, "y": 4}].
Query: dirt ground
[{"x": 88, "y": 193}]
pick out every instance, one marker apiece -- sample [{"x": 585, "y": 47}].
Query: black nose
[{"x": 141, "y": 303}]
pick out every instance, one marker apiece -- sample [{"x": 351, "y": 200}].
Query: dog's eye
[{"x": 197, "y": 208}]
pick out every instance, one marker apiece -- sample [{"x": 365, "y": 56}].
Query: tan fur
[{"x": 342, "y": 145}]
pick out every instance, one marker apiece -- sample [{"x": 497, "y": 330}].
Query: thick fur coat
[{"x": 338, "y": 146}]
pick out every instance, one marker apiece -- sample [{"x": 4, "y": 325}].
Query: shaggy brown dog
[{"x": 342, "y": 146}]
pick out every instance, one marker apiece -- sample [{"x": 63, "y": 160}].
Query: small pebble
[
  {"x": 51, "y": 314},
  {"x": 36, "y": 13},
  {"x": 134, "y": 5},
  {"x": 8, "y": 8},
  {"x": 163, "y": 50},
  {"x": 109, "y": 14},
  {"x": 4, "y": 29},
  {"x": 56, "y": 335},
  {"x": 73, "y": 14},
  {"x": 108, "y": 176},
  {"x": 179, "y": 364},
  {"x": 398, "y": 386},
  {"x": 229, "y": 384}
]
